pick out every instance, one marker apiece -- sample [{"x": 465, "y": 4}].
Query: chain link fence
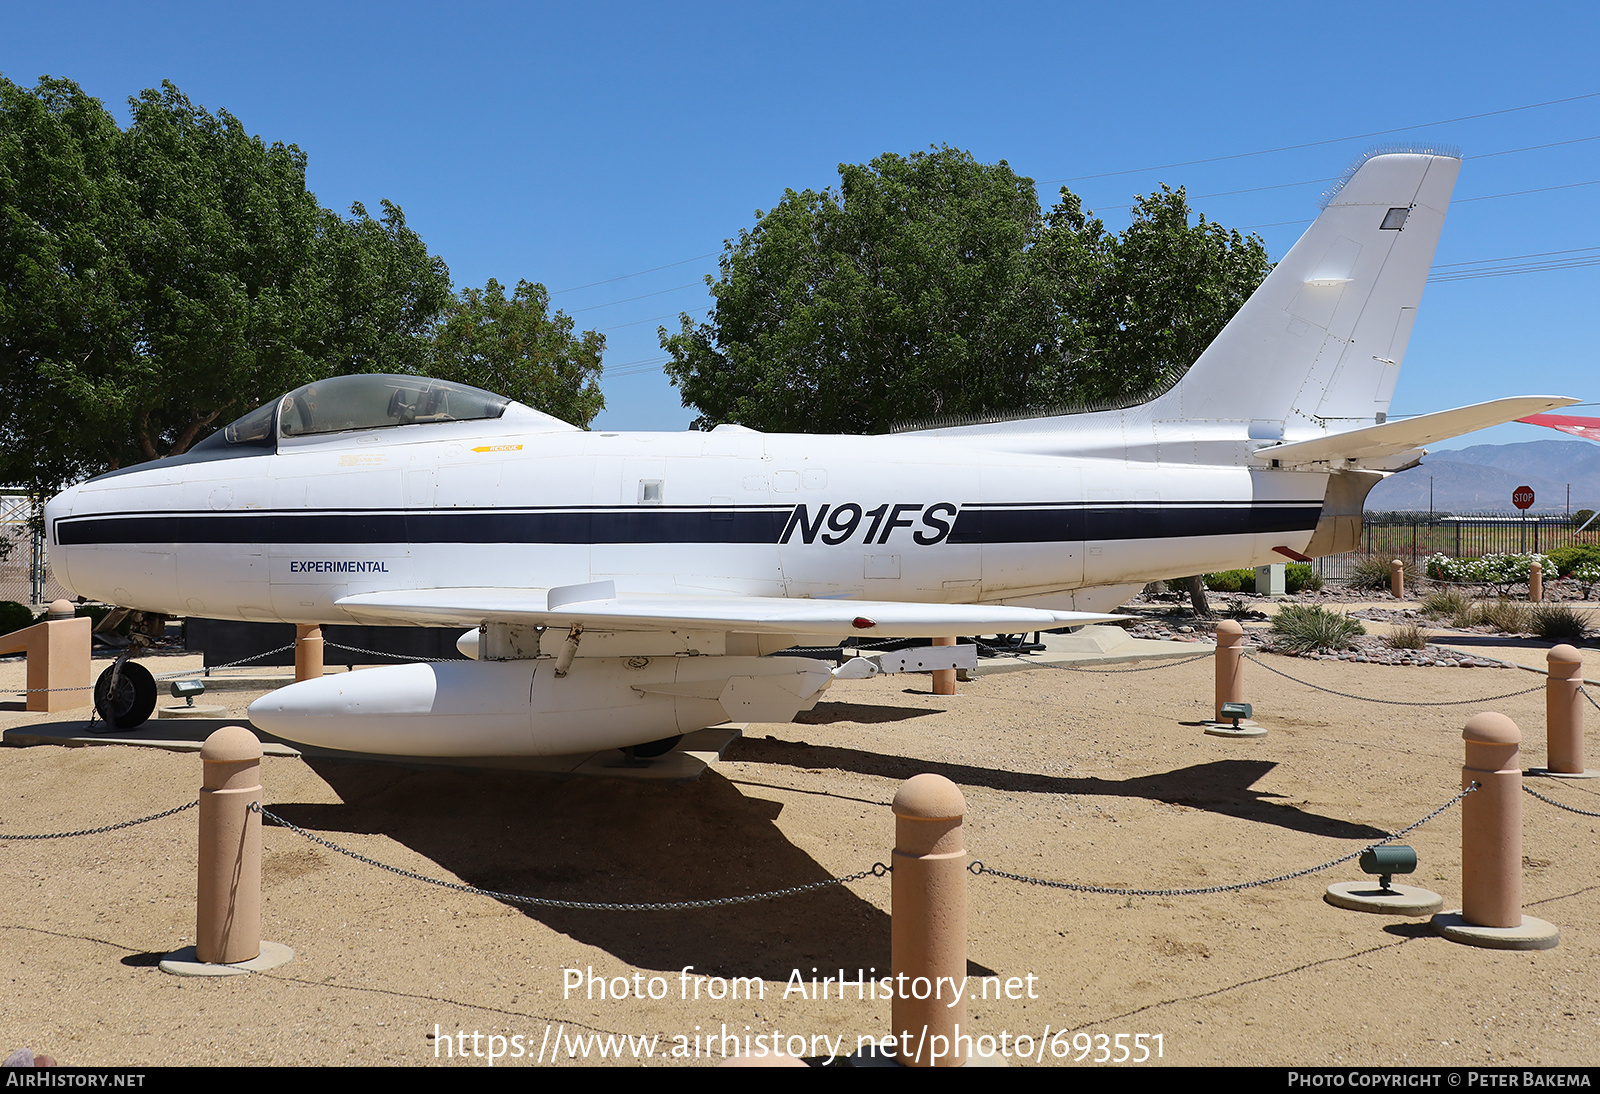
[{"x": 24, "y": 568}]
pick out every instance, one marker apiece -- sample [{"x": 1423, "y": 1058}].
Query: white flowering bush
[
  {"x": 1490, "y": 569},
  {"x": 1587, "y": 575}
]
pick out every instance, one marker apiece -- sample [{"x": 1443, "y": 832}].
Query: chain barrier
[
  {"x": 878, "y": 869},
  {"x": 1558, "y": 805},
  {"x": 977, "y": 868},
  {"x": 1584, "y": 692},
  {"x": 179, "y": 674},
  {"x": 107, "y": 828},
  {"x": 397, "y": 656},
  {"x": 997, "y": 651},
  {"x": 208, "y": 669},
  {"x": 1394, "y": 702}
]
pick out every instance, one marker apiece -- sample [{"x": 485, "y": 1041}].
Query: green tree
[
  {"x": 1144, "y": 304},
  {"x": 66, "y": 279},
  {"x": 904, "y": 294},
  {"x": 515, "y": 347},
  {"x": 932, "y": 285},
  {"x": 159, "y": 280}
]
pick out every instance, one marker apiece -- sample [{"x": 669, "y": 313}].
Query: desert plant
[
  {"x": 1303, "y": 628},
  {"x": 1446, "y": 604},
  {"x": 1372, "y": 572},
  {"x": 1505, "y": 616},
  {"x": 1406, "y": 636},
  {"x": 1237, "y": 609},
  {"x": 1557, "y": 621}
]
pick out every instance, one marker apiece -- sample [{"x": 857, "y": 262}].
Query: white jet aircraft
[{"x": 625, "y": 588}]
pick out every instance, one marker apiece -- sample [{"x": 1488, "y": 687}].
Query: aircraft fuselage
[{"x": 282, "y": 536}]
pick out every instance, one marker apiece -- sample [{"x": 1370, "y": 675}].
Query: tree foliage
[
  {"x": 159, "y": 280},
  {"x": 515, "y": 347},
  {"x": 932, "y": 285}
]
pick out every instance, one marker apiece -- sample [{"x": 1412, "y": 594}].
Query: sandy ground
[{"x": 1092, "y": 777}]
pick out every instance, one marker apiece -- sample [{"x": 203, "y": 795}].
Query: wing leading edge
[{"x": 598, "y": 606}]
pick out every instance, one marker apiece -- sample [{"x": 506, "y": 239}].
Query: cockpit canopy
[{"x": 344, "y": 403}]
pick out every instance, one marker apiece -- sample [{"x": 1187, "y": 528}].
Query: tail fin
[
  {"x": 1312, "y": 355},
  {"x": 1318, "y": 346}
]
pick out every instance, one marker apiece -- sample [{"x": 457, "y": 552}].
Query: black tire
[
  {"x": 134, "y": 700},
  {"x": 656, "y": 748}
]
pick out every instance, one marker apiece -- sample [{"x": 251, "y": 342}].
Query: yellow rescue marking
[
  {"x": 498, "y": 448},
  {"x": 362, "y": 461}
]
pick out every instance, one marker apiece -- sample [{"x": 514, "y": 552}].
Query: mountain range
[{"x": 1480, "y": 479}]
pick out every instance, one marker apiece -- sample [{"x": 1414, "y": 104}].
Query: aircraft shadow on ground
[
  {"x": 1504, "y": 641},
  {"x": 1223, "y": 786},
  {"x": 861, "y": 713},
  {"x": 619, "y": 841}
]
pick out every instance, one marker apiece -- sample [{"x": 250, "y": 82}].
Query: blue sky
[{"x": 575, "y": 144}]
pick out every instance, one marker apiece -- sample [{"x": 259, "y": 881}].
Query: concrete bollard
[
  {"x": 1563, "y": 711},
  {"x": 928, "y": 926},
  {"x": 1491, "y": 845},
  {"x": 307, "y": 651},
  {"x": 228, "y": 918},
  {"x": 1491, "y": 823},
  {"x": 1230, "y": 665},
  {"x": 1397, "y": 579},
  {"x": 1536, "y": 583},
  {"x": 944, "y": 680}
]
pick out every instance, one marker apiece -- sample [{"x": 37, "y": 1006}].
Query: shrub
[
  {"x": 1588, "y": 576},
  {"x": 1296, "y": 576},
  {"x": 14, "y": 616},
  {"x": 1488, "y": 570},
  {"x": 1568, "y": 559},
  {"x": 1306, "y": 627},
  {"x": 1232, "y": 581},
  {"x": 97, "y": 612},
  {"x": 1300, "y": 575},
  {"x": 1557, "y": 621}
]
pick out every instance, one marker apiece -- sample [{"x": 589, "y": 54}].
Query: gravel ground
[{"x": 1101, "y": 778}]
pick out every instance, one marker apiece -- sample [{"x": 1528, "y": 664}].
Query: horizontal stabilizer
[
  {"x": 1587, "y": 428},
  {"x": 668, "y": 611},
  {"x": 1391, "y": 438}
]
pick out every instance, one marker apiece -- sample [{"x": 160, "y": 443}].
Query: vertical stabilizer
[{"x": 1318, "y": 346}]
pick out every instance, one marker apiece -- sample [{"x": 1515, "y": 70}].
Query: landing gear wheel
[
  {"x": 656, "y": 748},
  {"x": 133, "y": 700}
]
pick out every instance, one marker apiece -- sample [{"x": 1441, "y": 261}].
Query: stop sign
[{"x": 1522, "y": 497}]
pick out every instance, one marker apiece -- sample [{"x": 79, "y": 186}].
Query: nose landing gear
[{"x": 125, "y": 695}]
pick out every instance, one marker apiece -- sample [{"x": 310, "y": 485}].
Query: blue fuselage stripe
[{"x": 976, "y": 524}]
